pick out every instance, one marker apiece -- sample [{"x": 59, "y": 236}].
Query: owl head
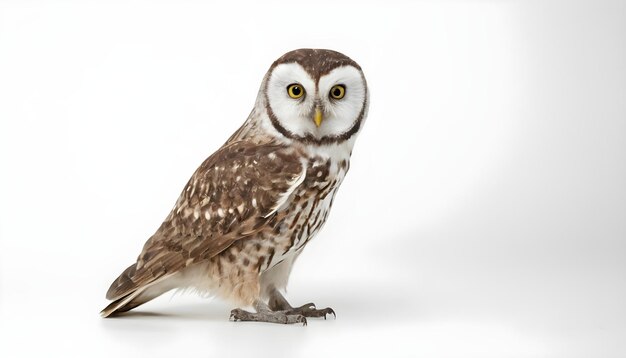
[{"x": 315, "y": 96}]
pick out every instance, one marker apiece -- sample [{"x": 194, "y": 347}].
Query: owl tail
[{"x": 137, "y": 297}]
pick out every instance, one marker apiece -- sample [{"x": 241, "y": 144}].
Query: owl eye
[
  {"x": 338, "y": 91},
  {"x": 295, "y": 91}
]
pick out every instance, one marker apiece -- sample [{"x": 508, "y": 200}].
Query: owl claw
[
  {"x": 301, "y": 319},
  {"x": 238, "y": 314},
  {"x": 278, "y": 303},
  {"x": 327, "y": 311},
  {"x": 309, "y": 310}
]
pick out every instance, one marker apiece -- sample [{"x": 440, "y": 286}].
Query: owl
[{"x": 251, "y": 207}]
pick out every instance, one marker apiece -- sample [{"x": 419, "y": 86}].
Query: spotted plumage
[{"x": 251, "y": 207}]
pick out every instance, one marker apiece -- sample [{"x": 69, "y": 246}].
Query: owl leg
[
  {"x": 265, "y": 314},
  {"x": 277, "y": 302}
]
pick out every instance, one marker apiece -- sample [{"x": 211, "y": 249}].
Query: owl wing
[{"x": 235, "y": 191}]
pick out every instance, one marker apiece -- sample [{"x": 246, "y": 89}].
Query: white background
[{"x": 484, "y": 214}]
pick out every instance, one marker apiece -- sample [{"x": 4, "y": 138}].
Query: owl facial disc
[{"x": 316, "y": 96}]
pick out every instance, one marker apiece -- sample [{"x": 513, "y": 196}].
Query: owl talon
[
  {"x": 237, "y": 315},
  {"x": 277, "y": 302},
  {"x": 301, "y": 319},
  {"x": 307, "y": 311}
]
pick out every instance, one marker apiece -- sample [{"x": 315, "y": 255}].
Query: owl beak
[{"x": 318, "y": 117}]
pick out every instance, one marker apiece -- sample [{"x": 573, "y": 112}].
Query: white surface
[{"x": 483, "y": 216}]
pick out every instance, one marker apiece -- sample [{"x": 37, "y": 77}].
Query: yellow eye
[
  {"x": 295, "y": 91},
  {"x": 338, "y": 91}
]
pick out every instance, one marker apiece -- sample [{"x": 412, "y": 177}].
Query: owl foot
[
  {"x": 278, "y": 302},
  {"x": 267, "y": 316},
  {"x": 309, "y": 310}
]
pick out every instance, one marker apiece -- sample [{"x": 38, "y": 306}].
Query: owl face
[{"x": 317, "y": 96}]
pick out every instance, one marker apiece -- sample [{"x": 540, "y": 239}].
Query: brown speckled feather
[{"x": 232, "y": 194}]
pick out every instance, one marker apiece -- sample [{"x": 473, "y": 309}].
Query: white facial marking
[
  {"x": 340, "y": 115},
  {"x": 296, "y": 115}
]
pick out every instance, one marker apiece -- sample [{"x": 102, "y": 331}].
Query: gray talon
[{"x": 277, "y": 302}]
